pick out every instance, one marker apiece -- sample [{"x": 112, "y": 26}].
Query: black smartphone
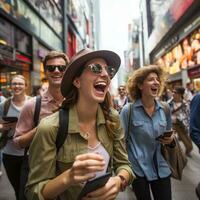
[
  {"x": 167, "y": 133},
  {"x": 94, "y": 184},
  {"x": 10, "y": 119}
]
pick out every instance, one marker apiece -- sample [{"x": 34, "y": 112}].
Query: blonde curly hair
[{"x": 138, "y": 77}]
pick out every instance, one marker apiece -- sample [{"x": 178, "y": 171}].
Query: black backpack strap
[
  {"x": 63, "y": 128},
  {"x": 6, "y": 106},
  {"x": 37, "y": 109}
]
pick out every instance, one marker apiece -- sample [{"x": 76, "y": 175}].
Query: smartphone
[
  {"x": 94, "y": 184},
  {"x": 10, "y": 119},
  {"x": 167, "y": 133}
]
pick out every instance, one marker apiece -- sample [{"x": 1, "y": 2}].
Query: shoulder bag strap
[
  {"x": 37, "y": 110},
  {"x": 63, "y": 128},
  {"x": 6, "y": 106}
]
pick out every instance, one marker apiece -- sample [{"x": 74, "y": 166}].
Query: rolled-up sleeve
[{"x": 42, "y": 159}]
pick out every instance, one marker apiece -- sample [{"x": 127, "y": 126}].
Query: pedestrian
[
  {"x": 195, "y": 127},
  {"x": 2, "y": 98},
  {"x": 148, "y": 120},
  {"x": 13, "y": 157},
  {"x": 54, "y": 66},
  {"x": 180, "y": 118},
  {"x": 95, "y": 141},
  {"x": 122, "y": 99}
]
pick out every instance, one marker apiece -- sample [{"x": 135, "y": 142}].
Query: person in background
[
  {"x": 180, "y": 118},
  {"x": 189, "y": 92},
  {"x": 95, "y": 140},
  {"x": 2, "y": 98},
  {"x": 143, "y": 123},
  {"x": 55, "y": 64},
  {"x": 121, "y": 99},
  {"x": 13, "y": 157},
  {"x": 195, "y": 127}
]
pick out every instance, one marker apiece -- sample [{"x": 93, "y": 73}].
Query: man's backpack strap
[
  {"x": 63, "y": 128},
  {"x": 37, "y": 110},
  {"x": 6, "y": 106}
]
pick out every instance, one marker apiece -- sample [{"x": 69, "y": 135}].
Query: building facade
[
  {"x": 29, "y": 29},
  {"x": 171, "y": 37}
]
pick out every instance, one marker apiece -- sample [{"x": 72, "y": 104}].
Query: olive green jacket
[{"x": 46, "y": 164}]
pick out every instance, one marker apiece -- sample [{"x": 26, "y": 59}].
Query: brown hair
[
  {"x": 138, "y": 77},
  {"x": 55, "y": 54}
]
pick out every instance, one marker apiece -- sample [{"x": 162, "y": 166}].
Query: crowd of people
[{"x": 103, "y": 134}]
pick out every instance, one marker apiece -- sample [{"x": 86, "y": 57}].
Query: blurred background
[{"x": 140, "y": 31}]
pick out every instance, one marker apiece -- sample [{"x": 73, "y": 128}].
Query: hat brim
[{"x": 111, "y": 58}]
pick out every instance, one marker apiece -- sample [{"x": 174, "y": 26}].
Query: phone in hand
[
  {"x": 167, "y": 133},
  {"x": 94, "y": 184},
  {"x": 10, "y": 119}
]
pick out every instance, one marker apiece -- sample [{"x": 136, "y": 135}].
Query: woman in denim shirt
[{"x": 148, "y": 121}]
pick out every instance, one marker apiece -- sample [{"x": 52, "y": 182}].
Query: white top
[{"x": 99, "y": 148}]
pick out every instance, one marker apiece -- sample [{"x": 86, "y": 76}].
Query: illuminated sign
[{"x": 7, "y": 52}]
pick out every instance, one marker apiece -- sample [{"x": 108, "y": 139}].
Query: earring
[{"x": 76, "y": 83}]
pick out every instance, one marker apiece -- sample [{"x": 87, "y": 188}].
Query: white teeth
[{"x": 101, "y": 83}]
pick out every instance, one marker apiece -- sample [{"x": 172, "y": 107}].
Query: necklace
[{"x": 86, "y": 133}]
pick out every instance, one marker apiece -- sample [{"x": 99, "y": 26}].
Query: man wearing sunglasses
[
  {"x": 54, "y": 66},
  {"x": 121, "y": 99}
]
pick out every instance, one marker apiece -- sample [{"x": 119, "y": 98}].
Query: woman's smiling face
[
  {"x": 93, "y": 86},
  {"x": 151, "y": 85}
]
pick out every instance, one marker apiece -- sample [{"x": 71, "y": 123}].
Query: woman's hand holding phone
[
  {"x": 167, "y": 137},
  {"x": 109, "y": 191}
]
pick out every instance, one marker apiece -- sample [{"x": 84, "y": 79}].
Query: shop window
[
  {"x": 23, "y": 42},
  {"x": 6, "y": 33}
]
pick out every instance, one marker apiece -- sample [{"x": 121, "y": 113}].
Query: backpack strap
[
  {"x": 129, "y": 120},
  {"x": 63, "y": 128},
  {"x": 37, "y": 110},
  {"x": 6, "y": 106}
]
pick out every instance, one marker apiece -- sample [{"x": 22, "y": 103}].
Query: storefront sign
[
  {"x": 194, "y": 72},
  {"x": 7, "y": 52}
]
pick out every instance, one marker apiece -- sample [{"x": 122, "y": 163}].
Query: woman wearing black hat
[{"x": 95, "y": 141}]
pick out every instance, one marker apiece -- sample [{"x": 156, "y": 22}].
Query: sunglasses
[
  {"x": 52, "y": 68},
  {"x": 97, "y": 69}
]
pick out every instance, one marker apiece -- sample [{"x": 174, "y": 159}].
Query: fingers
[
  {"x": 86, "y": 165},
  {"x": 108, "y": 192}
]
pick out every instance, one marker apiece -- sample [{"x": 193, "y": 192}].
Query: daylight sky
[{"x": 115, "y": 15}]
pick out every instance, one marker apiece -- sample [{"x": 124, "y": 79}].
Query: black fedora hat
[{"x": 80, "y": 59}]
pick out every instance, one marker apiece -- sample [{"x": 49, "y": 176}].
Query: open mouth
[
  {"x": 100, "y": 87},
  {"x": 154, "y": 90}
]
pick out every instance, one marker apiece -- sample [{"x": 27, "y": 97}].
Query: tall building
[
  {"x": 171, "y": 37},
  {"x": 29, "y": 29}
]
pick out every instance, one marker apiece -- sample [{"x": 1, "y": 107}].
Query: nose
[
  {"x": 104, "y": 71},
  {"x": 157, "y": 81}
]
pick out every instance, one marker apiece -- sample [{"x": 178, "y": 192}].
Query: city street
[{"x": 182, "y": 190}]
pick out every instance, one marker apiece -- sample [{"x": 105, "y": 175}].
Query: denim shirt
[{"x": 144, "y": 151}]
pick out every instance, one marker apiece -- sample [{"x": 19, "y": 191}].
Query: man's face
[
  {"x": 55, "y": 69},
  {"x": 122, "y": 91}
]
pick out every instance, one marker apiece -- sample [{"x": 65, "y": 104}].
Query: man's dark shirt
[{"x": 195, "y": 120}]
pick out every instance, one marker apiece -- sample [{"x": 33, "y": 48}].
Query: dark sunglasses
[
  {"x": 52, "y": 68},
  {"x": 97, "y": 69}
]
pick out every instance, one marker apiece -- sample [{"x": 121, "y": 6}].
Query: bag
[
  {"x": 4, "y": 134},
  {"x": 175, "y": 158}
]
